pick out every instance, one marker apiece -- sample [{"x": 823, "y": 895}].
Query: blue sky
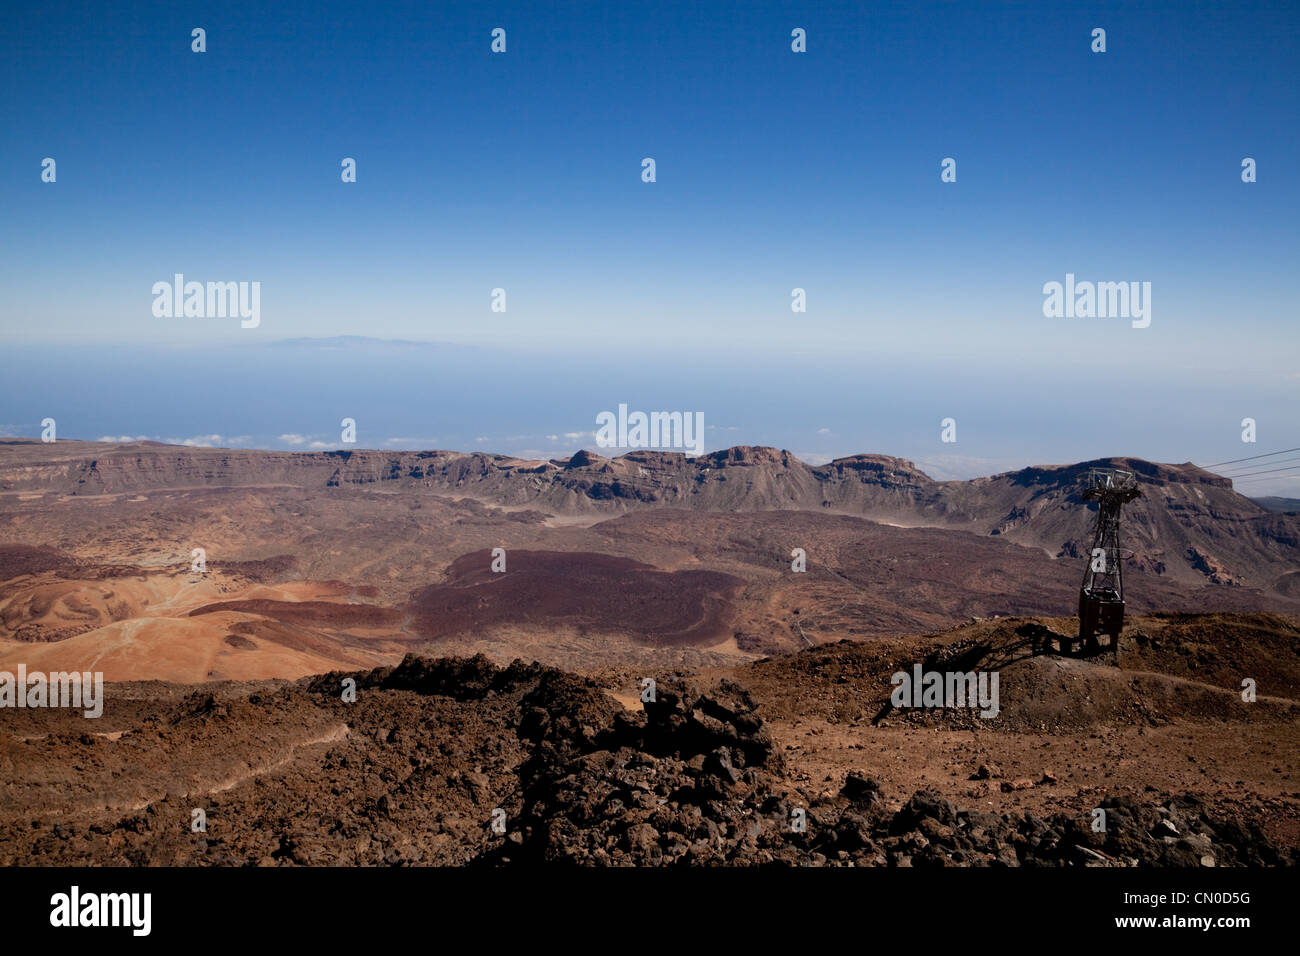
[{"x": 775, "y": 170}]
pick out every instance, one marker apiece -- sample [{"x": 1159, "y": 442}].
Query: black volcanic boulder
[
  {"x": 603, "y": 785},
  {"x": 565, "y": 710},
  {"x": 684, "y": 722},
  {"x": 460, "y": 678},
  {"x": 924, "y": 805},
  {"x": 860, "y": 790}
]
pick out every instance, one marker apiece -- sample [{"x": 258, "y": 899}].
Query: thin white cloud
[{"x": 200, "y": 441}]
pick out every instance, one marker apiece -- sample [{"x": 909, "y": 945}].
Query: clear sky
[{"x": 775, "y": 170}]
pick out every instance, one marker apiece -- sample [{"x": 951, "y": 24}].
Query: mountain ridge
[{"x": 1189, "y": 524}]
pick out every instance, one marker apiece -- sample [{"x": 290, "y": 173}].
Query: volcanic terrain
[
  {"x": 315, "y": 561},
  {"x": 715, "y": 769},
  {"x": 500, "y": 620}
]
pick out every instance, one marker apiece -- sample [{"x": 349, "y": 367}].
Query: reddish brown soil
[
  {"x": 311, "y": 613},
  {"x": 21, "y": 559},
  {"x": 711, "y": 772},
  {"x": 595, "y": 591}
]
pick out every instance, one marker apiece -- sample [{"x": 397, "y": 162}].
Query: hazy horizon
[
  {"x": 776, "y": 171},
  {"x": 293, "y": 395}
]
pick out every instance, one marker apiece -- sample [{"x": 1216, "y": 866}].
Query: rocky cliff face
[
  {"x": 745, "y": 478},
  {"x": 1188, "y": 523}
]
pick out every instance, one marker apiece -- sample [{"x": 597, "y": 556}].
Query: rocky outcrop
[
  {"x": 460, "y": 761},
  {"x": 1188, "y": 524}
]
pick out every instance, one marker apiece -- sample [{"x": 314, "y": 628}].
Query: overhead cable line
[{"x": 1251, "y": 458}]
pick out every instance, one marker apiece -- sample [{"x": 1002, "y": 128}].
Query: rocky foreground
[{"x": 417, "y": 768}]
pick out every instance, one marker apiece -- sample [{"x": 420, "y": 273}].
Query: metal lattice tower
[{"x": 1101, "y": 598}]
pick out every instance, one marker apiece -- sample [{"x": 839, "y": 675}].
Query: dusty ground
[
  {"x": 298, "y": 583},
  {"x": 712, "y": 772},
  {"x": 1164, "y": 715}
]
